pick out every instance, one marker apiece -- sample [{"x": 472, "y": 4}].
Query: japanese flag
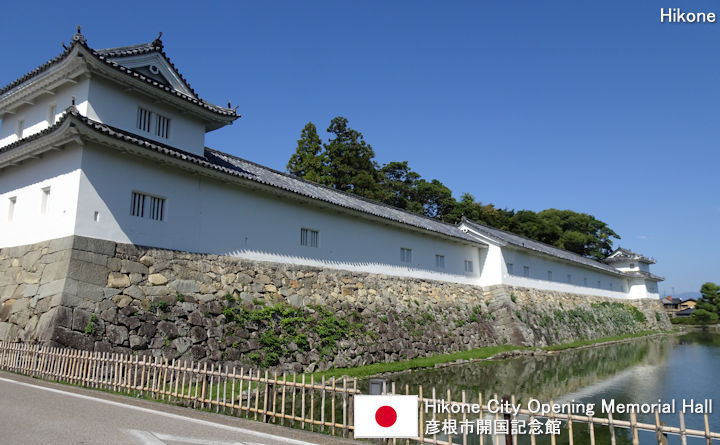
[{"x": 386, "y": 416}]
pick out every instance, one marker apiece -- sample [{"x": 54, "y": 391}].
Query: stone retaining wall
[{"x": 98, "y": 295}]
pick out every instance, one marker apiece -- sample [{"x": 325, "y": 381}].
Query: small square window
[
  {"x": 468, "y": 266},
  {"x": 440, "y": 261},
  {"x": 405, "y": 255},
  {"x": 309, "y": 237}
]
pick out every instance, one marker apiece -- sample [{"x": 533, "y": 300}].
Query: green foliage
[
  {"x": 658, "y": 316},
  {"x": 384, "y": 318},
  {"x": 180, "y": 298},
  {"x": 709, "y": 300},
  {"x": 513, "y": 298},
  {"x": 281, "y": 324},
  {"x": 346, "y": 162},
  {"x": 90, "y": 326},
  {"x": 702, "y": 316},
  {"x": 636, "y": 313}
]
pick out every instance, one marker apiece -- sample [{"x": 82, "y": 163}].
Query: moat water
[{"x": 667, "y": 368}]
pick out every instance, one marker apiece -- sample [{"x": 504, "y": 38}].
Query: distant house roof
[
  {"x": 537, "y": 246},
  {"x": 671, "y": 301},
  {"x": 231, "y": 165},
  {"x": 685, "y": 312},
  {"x": 622, "y": 254}
]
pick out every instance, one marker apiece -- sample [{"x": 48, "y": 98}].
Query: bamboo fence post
[
  {"x": 217, "y": 389},
  {"x": 282, "y": 399},
  {"x": 683, "y": 435},
  {"x": 249, "y": 393},
  {"x": 164, "y": 381},
  {"x": 708, "y": 439},
  {"x": 434, "y": 399},
  {"x": 332, "y": 407},
  {"x": 203, "y": 392},
  {"x": 552, "y": 418},
  {"x": 612, "y": 429},
  {"x": 182, "y": 387},
  {"x": 322, "y": 404},
  {"x": 312, "y": 402},
  {"x": 302, "y": 402},
  {"x": 449, "y": 398},
  {"x": 265, "y": 397},
  {"x": 633, "y": 428},
  {"x": 257, "y": 394},
  {"x": 292, "y": 404},
  {"x": 197, "y": 385},
  {"x": 274, "y": 397},
  {"x": 232, "y": 391},
  {"x": 344, "y": 407},
  {"x": 591, "y": 429},
  {"x": 224, "y": 397},
  {"x": 421, "y": 427}
]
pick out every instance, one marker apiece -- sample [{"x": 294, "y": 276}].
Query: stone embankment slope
[{"x": 98, "y": 295}]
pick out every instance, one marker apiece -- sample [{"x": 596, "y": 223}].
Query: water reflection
[{"x": 642, "y": 371}]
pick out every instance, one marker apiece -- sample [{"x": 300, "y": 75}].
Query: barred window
[
  {"x": 144, "y": 119},
  {"x": 440, "y": 261},
  {"x": 162, "y": 127},
  {"x": 147, "y": 206},
  {"x": 309, "y": 237},
  {"x": 405, "y": 255}
]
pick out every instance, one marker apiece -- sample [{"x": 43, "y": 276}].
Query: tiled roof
[
  {"x": 537, "y": 246},
  {"x": 104, "y": 55},
  {"x": 622, "y": 254},
  {"x": 143, "y": 48},
  {"x": 232, "y": 165}
]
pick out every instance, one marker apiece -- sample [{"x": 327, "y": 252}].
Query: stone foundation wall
[{"x": 98, "y": 295}]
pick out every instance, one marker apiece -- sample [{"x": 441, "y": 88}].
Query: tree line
[{"x": 346, "y": 162}]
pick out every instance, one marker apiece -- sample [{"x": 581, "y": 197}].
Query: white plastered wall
[
  {"x": 204, "y": 215},
  {"x": 119, "y": 109},
  {"x": 60, "y": 172},
  {"x": 36, "y": 117}
]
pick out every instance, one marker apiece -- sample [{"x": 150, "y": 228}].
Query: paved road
[{"x": 36, "y": 412}]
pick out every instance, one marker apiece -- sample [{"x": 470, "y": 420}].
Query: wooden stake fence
[
  {"x": 244, "y": 392},
  {"x": 286, "y": 399}
]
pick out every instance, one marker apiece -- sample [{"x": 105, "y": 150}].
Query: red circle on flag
[{"x": 385, "y": 416}]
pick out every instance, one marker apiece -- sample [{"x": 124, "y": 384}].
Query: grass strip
[
  {"x": 416, "y": 363},
  {"x": 580, "y": 343}
]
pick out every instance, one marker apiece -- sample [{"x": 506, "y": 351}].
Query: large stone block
[
  {"x": 117, "y": 335},
  {"x": 72, "y": 339},
  {"x": 185, "y": 286},
  {"x": 89, "y": 257},
  {"x": 94, "y": 245},
  {"x": 85, "y": 272}
]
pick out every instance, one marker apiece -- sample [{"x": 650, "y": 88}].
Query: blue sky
[{"x": 584, "y": 105}]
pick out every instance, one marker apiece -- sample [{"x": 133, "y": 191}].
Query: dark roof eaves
[
  {"x": 550, "y": 249},
  {"x": 72, "y": 112}
]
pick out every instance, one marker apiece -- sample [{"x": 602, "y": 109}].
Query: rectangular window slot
[
  {"x": 309, "y": 237},
  {"x": 11, "y": 208},
  {"x": 51, "y": 114},
  {"x": 510, "y": 268},
  {"x": 569, "y": 279},
  {"x": 96, "y": 216},
  {"x": 549, "y": 275},
  {"x": 20, "y": 128},
  {"x": 468, "y": 266},
  {"x": 440, "y": 261},
  {"x": 526, "y": 271},
  {"x": 405, "y": 255},
  {"x": 157, "y": 208},
  {"x": 44, "y": 200}
]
